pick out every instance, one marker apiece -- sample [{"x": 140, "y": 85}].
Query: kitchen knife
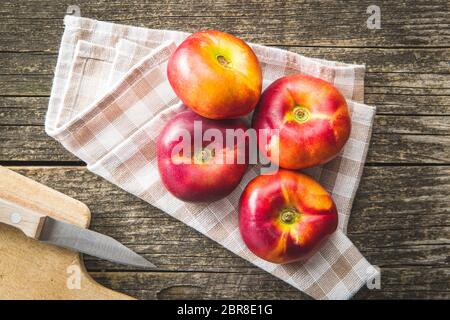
[{"x": 47, "y": 229}]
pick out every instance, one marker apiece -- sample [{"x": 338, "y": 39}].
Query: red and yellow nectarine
[
  {"x": 286, "y": 217},
  {"x": 216, "y": 74},
  {"x": 307, "y": 120}
]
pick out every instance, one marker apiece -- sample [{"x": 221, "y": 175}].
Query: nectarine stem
[
  {"x": 223, "y": 61},
  {"x": 203, "y": 155},
  {"x": 301, "y": 114},
  {"x": 289, "y": 215}
]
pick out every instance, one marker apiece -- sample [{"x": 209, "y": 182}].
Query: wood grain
[
  {"x": 27, "y": 221},
  {"x": 398, "y": 93},
  {"x": 396, "y": 90},
  {"x": 416, "y": 60},
  {"x": 421, "y": 23},
  {"x": 30, "y": 110},
  {"x": 390, "y": 145},
  {"x": 398, "y": 283},
  {"x": 400, "y": 218},
  {"x": 411, "y": 254},
  {"x": 47, "y": 267}
]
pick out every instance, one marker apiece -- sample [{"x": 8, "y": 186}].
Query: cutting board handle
[{"x": 26, "y": 220}]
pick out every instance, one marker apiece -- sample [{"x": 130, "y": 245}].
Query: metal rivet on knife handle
[{"x": 28, "y": 221}]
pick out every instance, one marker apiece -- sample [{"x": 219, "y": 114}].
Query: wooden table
[{"x": 400, "y": 219}]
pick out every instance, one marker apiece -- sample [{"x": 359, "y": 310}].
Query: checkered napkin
[{"x": 111, "y": 98}]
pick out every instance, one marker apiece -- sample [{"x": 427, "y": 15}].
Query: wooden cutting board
[{"x": 33, "y": 270}]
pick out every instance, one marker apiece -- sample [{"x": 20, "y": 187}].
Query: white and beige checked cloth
[{"x": 111, "y": 97}]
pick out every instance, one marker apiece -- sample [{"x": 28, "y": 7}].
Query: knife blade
[
  {"x": 71, "y": 237},
  {"x": 56, "y": 232}
]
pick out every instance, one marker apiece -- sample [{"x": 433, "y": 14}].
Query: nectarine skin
[
  {"x": 195, "y": 177},
  {"x": 286, "y": 217},
  {"x": 216, "y": 74},
  {"x": 312, "y": 119}
]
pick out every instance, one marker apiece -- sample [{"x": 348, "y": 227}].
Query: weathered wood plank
[
  {"x": 400, "y": 140},
  {"x": 399, "y": 221},
  {"x": 399, "y": 81},
  {"x": 26, "y": 63},
  {"x": 407, "y": 23},
  {"x": 425, "y": 125},
  {"x": 376, "y": 83},
  {"x": 406, "y": 89},
  {"x": 398, "y": 148},
  {"x": 409, "y": 104},
  {"x": 396, "y": 283},
  {"x": 30, "y": 85},
  {"x": 392, "y": 60},
  {"x": 198, "y": 285},
  {"x": 30, "y": 143},
  {"x": 31, "y": 110},
  {"x": 24, "y": 111}
]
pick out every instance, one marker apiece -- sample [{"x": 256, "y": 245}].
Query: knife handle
[{"x": 26, "y": 220}]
